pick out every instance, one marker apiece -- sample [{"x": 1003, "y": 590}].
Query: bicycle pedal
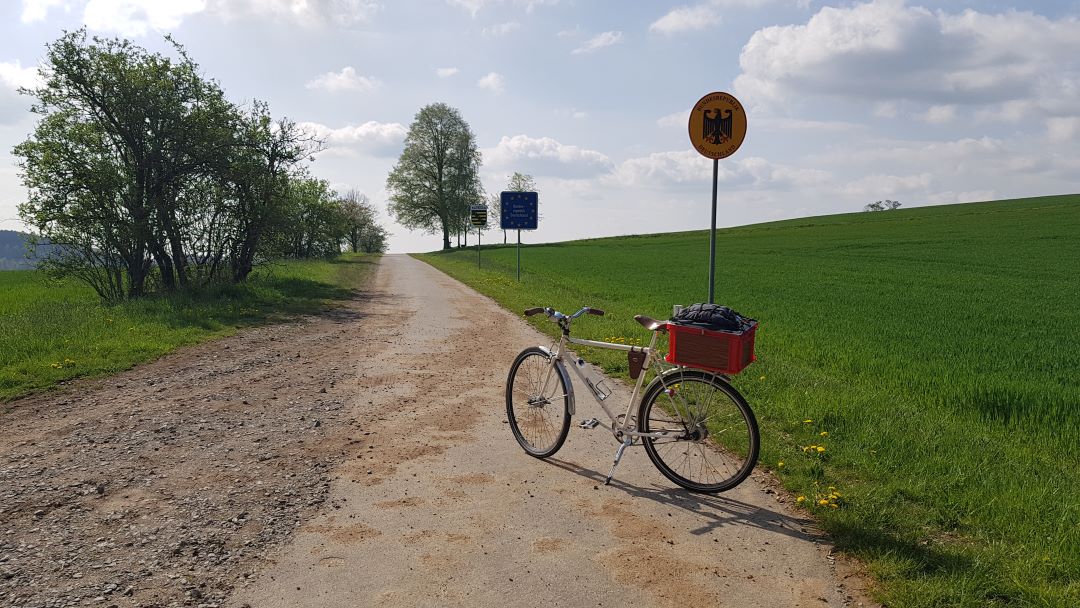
[{"x": 591, "y": 423}]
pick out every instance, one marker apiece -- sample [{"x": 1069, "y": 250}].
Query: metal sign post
[
  {"x": 712, "y": 235},
  {"x": 519, "y": 212},
  {"x": 478, "y": 217},
  {"x": 717, "y": 128}
]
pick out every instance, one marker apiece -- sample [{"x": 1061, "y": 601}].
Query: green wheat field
[{"x": 917, "y": 382}]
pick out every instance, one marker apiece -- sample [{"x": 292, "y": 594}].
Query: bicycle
[{"x": 696, "y": 428}]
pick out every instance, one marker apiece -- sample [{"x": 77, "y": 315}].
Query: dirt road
[{"x": 362, "y": 458}]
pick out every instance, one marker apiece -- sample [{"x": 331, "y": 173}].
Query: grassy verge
[
  {"x": 51, "y": 332},
  {"x": 931, "y": 353}
]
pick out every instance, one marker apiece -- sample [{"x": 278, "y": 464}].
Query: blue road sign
[{"x": 518, "y": 210}]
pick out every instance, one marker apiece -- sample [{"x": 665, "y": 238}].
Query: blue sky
[{"x": 848, "y": 103}]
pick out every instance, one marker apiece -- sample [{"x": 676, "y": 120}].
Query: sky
[{"x": 847, "y": 102}]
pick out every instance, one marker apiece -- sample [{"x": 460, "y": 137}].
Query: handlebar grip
[
  {"x": 596, "y": 311},
  {"x": 533, "y": 311}
]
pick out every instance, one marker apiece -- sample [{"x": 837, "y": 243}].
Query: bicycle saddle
[{"x": 651, "y": 324}]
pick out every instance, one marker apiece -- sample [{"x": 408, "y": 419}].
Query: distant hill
[{"x": 13, "y": 251}]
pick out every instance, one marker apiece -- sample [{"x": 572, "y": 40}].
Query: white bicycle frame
[{"x": 626, "y": 429}]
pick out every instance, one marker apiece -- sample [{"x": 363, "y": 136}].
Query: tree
[
  {"x": 362, "y": 232},
  {"x": 885, "y": 205},
  {"x": 143, "y": 175},
  {"x": 122, "y": 131},
  {"x": 259, "y": 176},
  {"x": 437, "y": 176}
]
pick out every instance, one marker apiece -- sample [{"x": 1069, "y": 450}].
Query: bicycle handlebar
[{"x": 551, "y": 312}]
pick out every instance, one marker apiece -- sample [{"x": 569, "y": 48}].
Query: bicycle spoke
[{"x": 716, "y": 446}]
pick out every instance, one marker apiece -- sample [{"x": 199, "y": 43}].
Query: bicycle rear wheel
[
  {"x": 537, "y": 403},
  {"x": 710, "y": 437}
]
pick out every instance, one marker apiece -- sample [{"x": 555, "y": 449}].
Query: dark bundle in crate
[{"x": 711, "y": 337}]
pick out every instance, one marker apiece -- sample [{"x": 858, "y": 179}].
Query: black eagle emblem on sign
[{"x": 716, "y": 128}]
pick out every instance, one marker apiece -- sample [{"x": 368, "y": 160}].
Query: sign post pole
[
  {"x": 518, "y": 212},
  {"x": 717, "y": 127},
  {"x": 478, "y": 217},
  {"x": 712, "y": 235}
]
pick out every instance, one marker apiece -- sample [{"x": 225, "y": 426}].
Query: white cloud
[
  {"x": 493, "y": 82},
  {"x": 446, "y": 72},
  {"x": 886, "y": 51},
  {"x": 598, "y": 41},
  {"x": 13, "y": 106},
  {"x": 138, "y": 17},
  {"x": 304, "y": 12},
  {"x": 668, "y": 169},
  {"x": 795, "y": 124},
  {"x": 500, "y": 29},
  {"x": 673, "y": 120},
  {"x": 886, "y": 109},
  {"x": 939, "y": 115},
  {"x": 13, "y": 75},
  {"x": 1063, "y": 128},
  {"x": 37, "y": 10},
  {"x": 882, "y": 185},
  {"x": 345, "y": 80},
  {"x": 686, "y": 18},
  {"x": 381, "y": 139},
  {"x": 545, "y": 156},
  {"x": 472, "y": 6}
]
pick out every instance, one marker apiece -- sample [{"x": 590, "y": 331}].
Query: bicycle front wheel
[
  {"x": 707, "y": 437},
  {"x": 537, "y": 403}
]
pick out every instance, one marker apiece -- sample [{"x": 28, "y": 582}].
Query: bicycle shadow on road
[{"x": 715, "y": 511}]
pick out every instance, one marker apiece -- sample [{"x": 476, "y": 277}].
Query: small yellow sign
[{"x": 717, "y": 125}]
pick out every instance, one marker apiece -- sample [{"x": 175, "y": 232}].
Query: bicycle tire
[
  {"x": 701, "y": 407},
  {"x": 538, "y": 430}
]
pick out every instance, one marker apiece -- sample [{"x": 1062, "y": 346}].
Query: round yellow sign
[{"x": 717, "y": 125}]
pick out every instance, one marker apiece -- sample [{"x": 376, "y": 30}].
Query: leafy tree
[
  {"x": 437, "y": 176},
  {"x": 363, "y": 233},
  {"x": 142, "y": 174},
  {"x": 259, "y": 176},
  {"x": 122, "y": 130},
  {"x": 885, "y": 205}
]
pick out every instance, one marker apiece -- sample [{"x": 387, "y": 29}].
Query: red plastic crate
[{"x": 725, "y": 352}]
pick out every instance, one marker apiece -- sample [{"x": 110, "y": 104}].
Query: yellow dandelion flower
[
  {"x": 800, "y": 499},
  {"x": 834, "y": 505},
  {"x": 823, "y": 502},
  {"x": 780, "y": 464},
  {"x": 820, "y": 449},
  {"x": 808, "y": 421},
  {"x": 824, "y": 433}
]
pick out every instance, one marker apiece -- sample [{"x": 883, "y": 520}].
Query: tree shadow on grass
[{"x": 264, "y": 299}]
